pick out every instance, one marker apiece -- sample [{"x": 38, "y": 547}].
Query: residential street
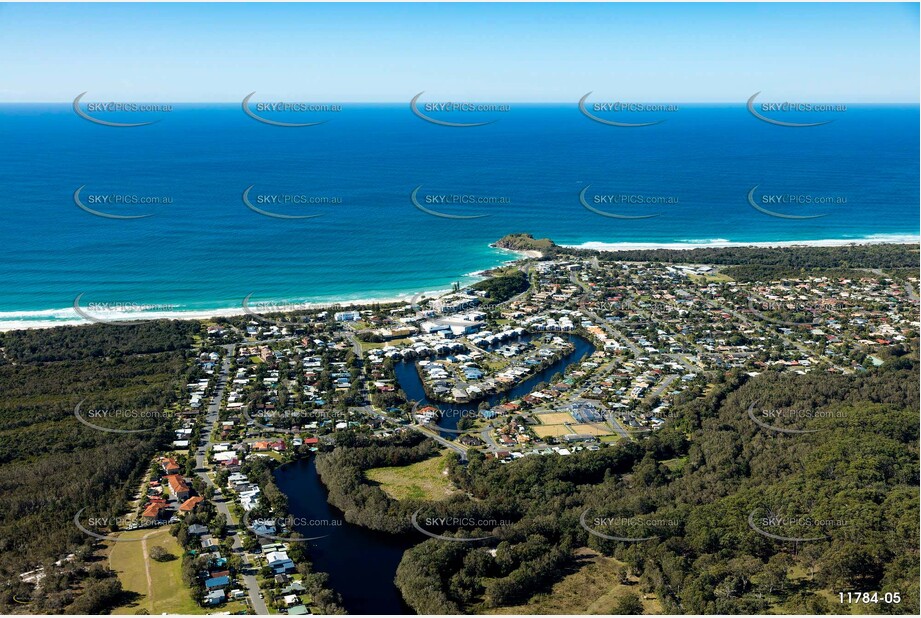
[{"x": 252, "y": 586}]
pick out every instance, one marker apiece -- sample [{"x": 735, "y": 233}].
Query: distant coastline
[
  {"x": 68, "y": 317},
  {"x": 721, "y": 243},
  {"x": 50, "y": 318}
]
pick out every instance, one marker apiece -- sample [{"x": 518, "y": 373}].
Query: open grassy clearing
[
  {"x": 158, "y": 585},
  {"x": 424, "y": 480},
  {"x": 592, "y": 587}
]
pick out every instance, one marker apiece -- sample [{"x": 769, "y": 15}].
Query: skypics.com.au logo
[
  {"x": 271, "y": 113},
  {"x": 790, "y": 420},
  {"x": 759, "y": 110},
  {"x": 291, "y": 421},
  {"x": 271, "y": 204},
  {"x": 597, "y": 203},
  {"x": 435, "y": 204},
  {"x": 122, "y": 313},
  {"x": 624, "y": 110},
  {"x": 107, "y": 528},
  {"x": 427, "y": 415},
  {"x": 95, "y": 111},
  {"x": 279, "y": 528},
  {"x": 453, "y": 109},
  {"x": 632, "y": 529},
  {"x": 459, "y": 529},
  {"x": 104, "y": 418},
  {"x": 260, "y": 310},
  {"x": 99, "y": 204},
  {"x": 807, "y": 313},
  {"x": 769, "y": 203},
  {"x": 798, "y": 528}
]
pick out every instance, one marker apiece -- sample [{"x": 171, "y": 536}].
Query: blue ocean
[{"x": 202, "y": 248}]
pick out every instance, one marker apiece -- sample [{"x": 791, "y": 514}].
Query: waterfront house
[{"x": 279, "y": 562}]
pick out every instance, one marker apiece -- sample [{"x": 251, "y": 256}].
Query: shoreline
[
  {"x": 67, "y": 316},
  {"x": 723, "y": 243}
]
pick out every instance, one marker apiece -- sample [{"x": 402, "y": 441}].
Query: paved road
[
  {"x": 618, "y": 428},
  {"x": 661, "y": 386},
  {"x": 201, "y": 468},
  {"x": 460, "y": 450},
  {"x": 486, "y": 436}
]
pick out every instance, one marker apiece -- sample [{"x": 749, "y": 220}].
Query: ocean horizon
[{"x": 394, "y": 205}]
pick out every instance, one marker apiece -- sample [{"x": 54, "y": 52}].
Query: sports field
[
  {"x": 555, "y": 418},
  {"x": 594, "y": 430},
  {"x": 550, "y": 431}
]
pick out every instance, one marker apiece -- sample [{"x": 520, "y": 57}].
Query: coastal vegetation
[
  {"x": 763, "y": 263},
  {"x": 425, "y": 480},
  {"x": 342, "y": 471},
  {"x": 53, "y": 465},
  {"x": 524, "y": 242},
  {"x": 857, "y": 474},
  {"x": 501, "y": 287},
  {"x": 592, "y": 584},
  {"x": 686, "y": 500}
]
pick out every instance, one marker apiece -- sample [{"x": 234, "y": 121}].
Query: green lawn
[
  {"x": 424, "y": 480},
  {"x": 369, "y": 345},
  {"x": 165, "y": 592},
  {"x": 716, "y": 278}
]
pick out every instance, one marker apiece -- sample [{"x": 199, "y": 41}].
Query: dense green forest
[
  {"x": 342, "y": 471},
  {"x": 51, "y": 465},
  {"x": 503, "y": 286},
  {"x": 884, "y": 256},
  {"x": 692, "y": 488},
  {"x": 767, "y": 262}
]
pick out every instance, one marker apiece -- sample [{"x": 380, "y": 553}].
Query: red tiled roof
[
  {"x": 153, "y": 510},
  {"x": 190, "y": 504},
  {"x": 176, "y": 483}
]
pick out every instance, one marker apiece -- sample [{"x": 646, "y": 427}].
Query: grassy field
[
  {"x": 423, "y": 480},
  {"x": 715, "y": 278},
  {"x": 591, "y": 429},
  {"x": 548, "y": 431},
  {"x": 555, "y": 418},
  {"x": 592, "y": 587},
  {"x": 369, "y": 345},
  {"x": 158, "y": 585}
]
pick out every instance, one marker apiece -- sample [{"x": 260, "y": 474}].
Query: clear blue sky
[{"x": 462, "y": 52}]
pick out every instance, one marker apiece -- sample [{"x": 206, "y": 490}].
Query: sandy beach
[
  {"x": 68, "y": 316},
  {"x": 719, "y": 243},
  {"x": 12, "y": 320}
]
